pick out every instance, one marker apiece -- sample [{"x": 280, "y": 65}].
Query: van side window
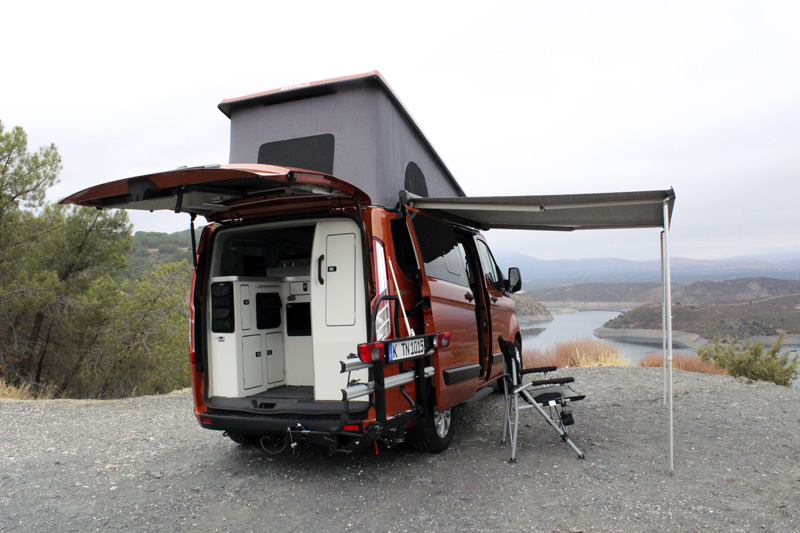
[
  {"x": 439, "y": 247},
  {"x": 490, "y": 268},
  {"x": 403, "y": 249},
  {"x": 465, "y": 260}
]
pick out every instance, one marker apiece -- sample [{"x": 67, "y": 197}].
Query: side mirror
[{"x": 514, "y": 280}]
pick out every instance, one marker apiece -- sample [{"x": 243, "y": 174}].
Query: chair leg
[
  {"x": 512, "y": 390},
  {"x": 507, "y": 414},
  {"x": 515, "y": 430},
  {"x": 556, "y": 425}
]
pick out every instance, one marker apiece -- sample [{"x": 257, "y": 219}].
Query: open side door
[
  {"x": 220, "y": 192},
  {"x": 445, "y": 285}
]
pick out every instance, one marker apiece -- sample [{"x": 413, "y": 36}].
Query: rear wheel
[
  {"x": 434, "y": 433},
  {"x": 245, "y": 439}
]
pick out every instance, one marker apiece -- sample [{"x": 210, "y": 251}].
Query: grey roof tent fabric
[
  {"x": 359, "y": 129},
  {"x": 563, "y": 212}
]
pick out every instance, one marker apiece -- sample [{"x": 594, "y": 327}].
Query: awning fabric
[{"x": 563, "y": 212}]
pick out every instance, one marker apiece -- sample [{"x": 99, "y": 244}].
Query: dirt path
[{"x": 143, "y": 464}]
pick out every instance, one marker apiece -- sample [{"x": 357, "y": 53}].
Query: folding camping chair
[{"x": 550, "y": 397}]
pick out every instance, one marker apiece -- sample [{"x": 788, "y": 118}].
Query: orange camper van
[{"x": 328, "y": 310}]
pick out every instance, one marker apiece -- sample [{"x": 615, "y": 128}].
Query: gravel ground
[{"x": 144, "y": 464}]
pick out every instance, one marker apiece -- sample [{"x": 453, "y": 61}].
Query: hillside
[
  {"x": 599, "y": 292},
  {"x": 708, "y": 322},
  {"x": 530, "y": 308},
  {"x": 747, "y": 290},
  {"x": 738, "y": 308},
  {"x": 151, "y": 248}
]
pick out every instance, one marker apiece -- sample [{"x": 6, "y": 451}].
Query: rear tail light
[
  {"x": 351, "y": 427},
  {"x": 371, "y": 351},
  {"x": 442, "y": 340}
]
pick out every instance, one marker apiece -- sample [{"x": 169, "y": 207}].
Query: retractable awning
[
  {"x": 570, "y": 212},
  {"x": 563, "y": 212}
]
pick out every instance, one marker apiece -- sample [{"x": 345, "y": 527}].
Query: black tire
[
  {"x": 434, "y": 433},
  {"x": 245, "y": 440}
]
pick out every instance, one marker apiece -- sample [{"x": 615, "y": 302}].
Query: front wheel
[{"x": 434, "y": 433}]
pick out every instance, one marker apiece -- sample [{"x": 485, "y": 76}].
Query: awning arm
[{"x": 482, "y": 206}]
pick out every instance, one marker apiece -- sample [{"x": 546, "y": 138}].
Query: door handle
[
  {"x": 469, "y": 297},
  {"x": 319, "y": 269}
]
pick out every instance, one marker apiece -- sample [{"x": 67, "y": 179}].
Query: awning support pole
[
  {"x": 663, "y": 320},
  {"x": 668, "y": 293}
]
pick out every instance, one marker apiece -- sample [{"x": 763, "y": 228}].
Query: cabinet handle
[
  {"x": 319, "y": 269},
  {"x": 469, "y": 297}
]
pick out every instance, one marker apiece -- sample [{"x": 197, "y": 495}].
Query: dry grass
[
  {"x": 582, "y": 352},
  {"x": 10, "y": 392},
  {"x": 683, "y": 362}
]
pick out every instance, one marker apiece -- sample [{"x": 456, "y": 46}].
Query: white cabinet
[
  {"x": 245, "y": 339},
  {"x": 275, "y": 358},
  {"x": 252, "y": 362}
]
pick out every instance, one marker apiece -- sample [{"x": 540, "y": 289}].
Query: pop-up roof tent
[{"x": 354, "y": 128}]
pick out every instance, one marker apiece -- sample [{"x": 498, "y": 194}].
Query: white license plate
[{"x": 406, "y": 349}]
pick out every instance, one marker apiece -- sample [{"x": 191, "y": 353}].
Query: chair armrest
[
  {"x": 553, "y": 381},
  {"x": 542, "y": 369}
]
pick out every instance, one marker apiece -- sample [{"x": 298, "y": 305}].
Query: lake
[{"x": 580, "y": 325}]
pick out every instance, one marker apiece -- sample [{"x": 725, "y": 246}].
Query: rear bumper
[{"x": 258, "y": 424}]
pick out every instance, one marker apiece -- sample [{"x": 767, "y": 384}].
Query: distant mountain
[
  {"x": 599, "y": 292},
  {"x": 739, "y": 308},
  {"x": 708, "y": 322},
  {"x": 735, "y": 292},
  {"x": 538, "y": 273}
]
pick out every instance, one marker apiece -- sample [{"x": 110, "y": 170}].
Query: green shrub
[{"x": 753, "y": 360}]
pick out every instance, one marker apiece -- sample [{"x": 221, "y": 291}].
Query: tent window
[
  {"x": 415, "y": 180},
  {"x": 312, "y": 153}
]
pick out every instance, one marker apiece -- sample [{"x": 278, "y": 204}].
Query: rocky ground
[{"x": 143, "y": 464}]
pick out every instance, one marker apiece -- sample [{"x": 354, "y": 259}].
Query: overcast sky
[{"x": 516, "y": 97}]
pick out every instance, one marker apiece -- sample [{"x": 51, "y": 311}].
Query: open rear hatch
[
  {"x": 297, "y": 261},
  {"x": 219, "y": 192}
]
